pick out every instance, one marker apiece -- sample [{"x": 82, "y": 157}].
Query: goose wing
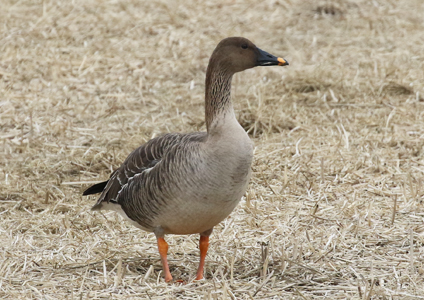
[{"x": 141, "y": 159}]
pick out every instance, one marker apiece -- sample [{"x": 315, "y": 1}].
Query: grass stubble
[{"x": 334, "y": 209}]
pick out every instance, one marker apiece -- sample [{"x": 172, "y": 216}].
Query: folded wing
[{"x": 141, "y": 159}]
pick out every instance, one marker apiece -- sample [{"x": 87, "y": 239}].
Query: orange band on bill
[{"x": 282, "y": 62}]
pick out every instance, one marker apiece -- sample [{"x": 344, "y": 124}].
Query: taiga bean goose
[{"x": 188, "y": 183}]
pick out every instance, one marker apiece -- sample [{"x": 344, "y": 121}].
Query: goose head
[{"x": 236, "y": 54}]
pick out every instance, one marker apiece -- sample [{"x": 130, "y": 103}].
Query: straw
[{"x": 337, "y": 181}]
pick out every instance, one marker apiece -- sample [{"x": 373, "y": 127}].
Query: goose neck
[{"x": 217, "y": 96}]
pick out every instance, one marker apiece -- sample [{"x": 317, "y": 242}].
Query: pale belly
[
  {"x": 194, "y": 218},
  {"x": 199, "y": 214},
  {"x": 213, "y": 194}
]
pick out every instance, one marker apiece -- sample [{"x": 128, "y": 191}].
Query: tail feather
[{"x": 95, "y": 189}]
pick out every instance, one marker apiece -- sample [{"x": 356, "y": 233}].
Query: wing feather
[{"x": 141, "y": 159}]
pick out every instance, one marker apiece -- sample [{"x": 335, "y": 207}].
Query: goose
[{"x": 188, "y": 183}]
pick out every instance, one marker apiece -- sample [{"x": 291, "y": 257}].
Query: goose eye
[{"x": 244, "y": 46}]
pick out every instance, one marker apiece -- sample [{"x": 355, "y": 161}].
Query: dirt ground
[{"x": 335, "y": 207}]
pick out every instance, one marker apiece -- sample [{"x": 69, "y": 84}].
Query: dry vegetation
[{"x": 334, "y": 209}]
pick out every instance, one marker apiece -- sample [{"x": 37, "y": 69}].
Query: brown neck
[{"x": 217, "y": 93}]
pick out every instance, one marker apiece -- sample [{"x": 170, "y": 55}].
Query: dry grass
[{"x": 334, "y": 209}]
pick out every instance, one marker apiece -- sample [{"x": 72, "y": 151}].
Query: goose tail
[{"x": 95, "y": 189}]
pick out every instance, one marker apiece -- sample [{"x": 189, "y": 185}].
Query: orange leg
[
  {"x": 163, "y": 251},
  {"x": 203, "y": 246}
]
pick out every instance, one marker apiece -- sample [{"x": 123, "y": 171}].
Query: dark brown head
[{"x": 235, "y": 54}]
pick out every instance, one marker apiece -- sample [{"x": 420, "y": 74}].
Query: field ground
[{"x": 335, "y": 206}]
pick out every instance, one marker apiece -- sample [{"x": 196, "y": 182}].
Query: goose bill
[{"x": 266, "y": 59}]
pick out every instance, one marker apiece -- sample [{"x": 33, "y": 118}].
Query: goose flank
[{"x": 188, "y": 183}]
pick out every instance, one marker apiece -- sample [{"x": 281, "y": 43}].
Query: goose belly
[
  {"x": 189, "y": 219},
  {"x": 207, "y": 197},
  {"x": 198, "y": 213}
]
